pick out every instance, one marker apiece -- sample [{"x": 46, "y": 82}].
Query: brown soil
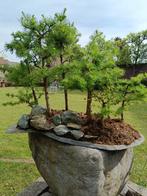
[
  {"x": 109, "y": 131},
  {"x": 112, "y": 132}
]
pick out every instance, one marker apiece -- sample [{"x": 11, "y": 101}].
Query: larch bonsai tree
[
  {"x": 130, "y": 91},
  {"x": 31, "y": 45},
  {"x": 45, "y": 44},
  {"x": 106, "y": 94},
  {"x": 99, "y": 57},
  {"x": 65, "y": 37},
  {"x": 37, "y": 48}
]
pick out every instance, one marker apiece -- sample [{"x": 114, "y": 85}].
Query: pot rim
[
  {"x": 94, "y": 146},
  {"x": 69, "y": 141}
]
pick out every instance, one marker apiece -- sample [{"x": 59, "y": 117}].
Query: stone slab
[
  {"x": 136, "y": 188},
  {"x": 39, "y": 188}
]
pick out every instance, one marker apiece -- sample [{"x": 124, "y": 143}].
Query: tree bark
[
  {"x": 89, "y": 102},
  {"x": 45, "y": 81},
  {"x": 123, "y": 103},
  {"x": 65, "y": 89},
  {"x": 34, "y": 95},
  {"x": 122, "y": 113},
  {"x": 32, "y": 88},
  {"x": 66, "y": 98}
]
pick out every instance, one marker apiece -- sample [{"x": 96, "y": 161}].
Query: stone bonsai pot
[{"x": 80, "y": 171}]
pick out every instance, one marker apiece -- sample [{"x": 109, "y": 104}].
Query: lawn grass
[
  {"x": 137, "y": 116},
  {"x": 15, "y": 176}
]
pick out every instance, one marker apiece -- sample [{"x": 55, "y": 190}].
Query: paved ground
[{"x": 30, "y": 161}]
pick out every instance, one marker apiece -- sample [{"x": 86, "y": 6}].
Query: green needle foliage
[
  {"x": 49, "y": 52},
  {"x": 98, "y": 58},
  {"x": 43, "y": 44},
  {"x": 130, "y": 91}
]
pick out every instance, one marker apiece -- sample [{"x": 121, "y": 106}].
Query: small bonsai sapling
[
  {"x": 106, "y": 93},
  {"x": 130, "y": 91},
  {"x": 19, "y": 75},
  {"x": 115, "y": 93}
]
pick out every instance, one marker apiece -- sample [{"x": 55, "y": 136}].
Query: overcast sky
[{"x": 113, "y": 17}]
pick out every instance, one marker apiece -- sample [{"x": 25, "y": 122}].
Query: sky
[{"x": 112, "y": 17}]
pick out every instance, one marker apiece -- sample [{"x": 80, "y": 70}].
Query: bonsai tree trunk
[
  {"x": 32, "y": 88},
  {"x": 34, "y": 95},
  {"x": 65, "y": 89},
  {"x": 45, "y": 83},
  {"x": 89, "y": 102},
  {"x": 123, "y": 102},
  {"x": 66, "y": 98},
  {"x": 122, "y": 113},
  {"x": 65, "y": 94}
]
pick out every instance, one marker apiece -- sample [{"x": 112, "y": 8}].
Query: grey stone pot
[{"x": 71, "y": 169}]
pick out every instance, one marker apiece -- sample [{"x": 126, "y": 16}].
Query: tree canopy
[{"x": 49, "y": 52}]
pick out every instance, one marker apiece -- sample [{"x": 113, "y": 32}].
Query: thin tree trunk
[
  {"x": 66, "y": 98},
  {"x": 89, "y": 102},
  {"x": 123, "y": 103},
  {"x": 45, "y": 81},
  {"x": 33, "y": 89},
  {"x": 122, "y": 113},
  {"x": 45, "y": 85},
  {"x": 34, "y": 95},
  {"x": 65, "y": 89}
]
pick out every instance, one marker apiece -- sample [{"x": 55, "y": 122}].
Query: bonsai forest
[
  {"x": 49, "y": 52},
  {"x": 97, "y": 137}
]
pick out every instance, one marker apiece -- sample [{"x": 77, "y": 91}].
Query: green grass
[
  {"x": 15, "y": 176},
  {"x": 137, "y": 116}
]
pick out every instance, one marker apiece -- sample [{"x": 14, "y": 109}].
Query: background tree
[
  {"x": 5, "y": 68},
  {"x": 124, "y": 52},
  {"x": 138, "y": 46}
]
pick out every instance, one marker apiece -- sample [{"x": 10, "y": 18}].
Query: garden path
[{"x": 29, "y": 161}]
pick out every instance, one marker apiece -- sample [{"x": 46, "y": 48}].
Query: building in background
[{"x": 3, "y": 62}]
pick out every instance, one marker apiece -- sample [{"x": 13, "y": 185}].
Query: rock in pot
[
  {"x": 70, "y": 117},
  {"x": 38, "y": 110},
  {"x": 23, "y": 122},
  {"x": 61, "y": 130},
  {"x": 80, "y": 171},
  {"x": 39, "y": 122}
]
